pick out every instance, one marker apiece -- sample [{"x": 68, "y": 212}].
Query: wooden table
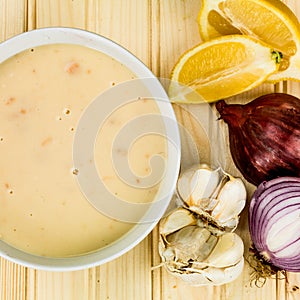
[{"x": 157, "y": 32}]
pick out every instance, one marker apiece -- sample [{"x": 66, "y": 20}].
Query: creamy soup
[{"x": 43, "y": 93}]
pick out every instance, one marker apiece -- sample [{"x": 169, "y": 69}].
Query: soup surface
[{"x": 43, "y": 93}]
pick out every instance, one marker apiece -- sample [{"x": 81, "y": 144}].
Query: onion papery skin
[
  {"x": 264, "y": 136},
  {"x": 273, "y": 201}
]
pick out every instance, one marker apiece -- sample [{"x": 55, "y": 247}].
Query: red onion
[
  {"x": 274, "y": 222},
  {"x": 264, "y": 136}
]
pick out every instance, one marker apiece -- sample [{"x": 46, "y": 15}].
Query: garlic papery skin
[
  {"x": 197, "y": 252},
  {"x": 214, "y": 194},
  {"x": 213, "y": 276}
]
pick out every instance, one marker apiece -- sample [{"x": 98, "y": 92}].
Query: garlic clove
[
  {"x": 212, "y": 276},
  {"x": 233, "y": 272},
  {"x": 191, "y": 243},
  {"x": 195, "y": 279},
  {"x": 218, "y": 276},
  {"x": 207, "y": 248},
  {"x": 183, "y": 184},
  {"x": 203, "y": 183},
  {"x": 176, "y": 220},
  {"x": 231, "y": 201},
  {"x": 227, "y": 252},
  {"x": 196, "y": 184}
]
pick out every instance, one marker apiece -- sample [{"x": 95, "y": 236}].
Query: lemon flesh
[{"x": 221, "y": 68}]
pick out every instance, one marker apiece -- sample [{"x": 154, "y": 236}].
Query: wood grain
[
  {"x": 13, "y": 16},
  {"x": 157, "y": 32}
]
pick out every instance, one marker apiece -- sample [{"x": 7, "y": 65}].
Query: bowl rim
[{"x": 68, "y": 35}]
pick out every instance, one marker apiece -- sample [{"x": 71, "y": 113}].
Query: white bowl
[{"x": 156, "y": 210}]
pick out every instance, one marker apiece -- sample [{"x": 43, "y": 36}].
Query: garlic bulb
[
  {"x": 197, "y": 254},
  {"x": 214, "y": 194},
  {"x": 196, "y": 239}
]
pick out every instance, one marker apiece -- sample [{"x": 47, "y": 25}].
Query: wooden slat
[
  {"x": 12, "y": 280},
  {"x": 125, "y": 22},
  {"x": 60, "y": 13},
  {"x": 31, "y": 15},
  {"x": 13, "y": 16},
  {"x": 178, "y": 31},
  {"x": 56, "y": 285}
]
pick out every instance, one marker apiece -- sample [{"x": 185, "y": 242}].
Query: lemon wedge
[
  {"x": 212, "y": 22},
  {"x": 270, "y": 21},
  {"x": 220, "y": 68}
]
